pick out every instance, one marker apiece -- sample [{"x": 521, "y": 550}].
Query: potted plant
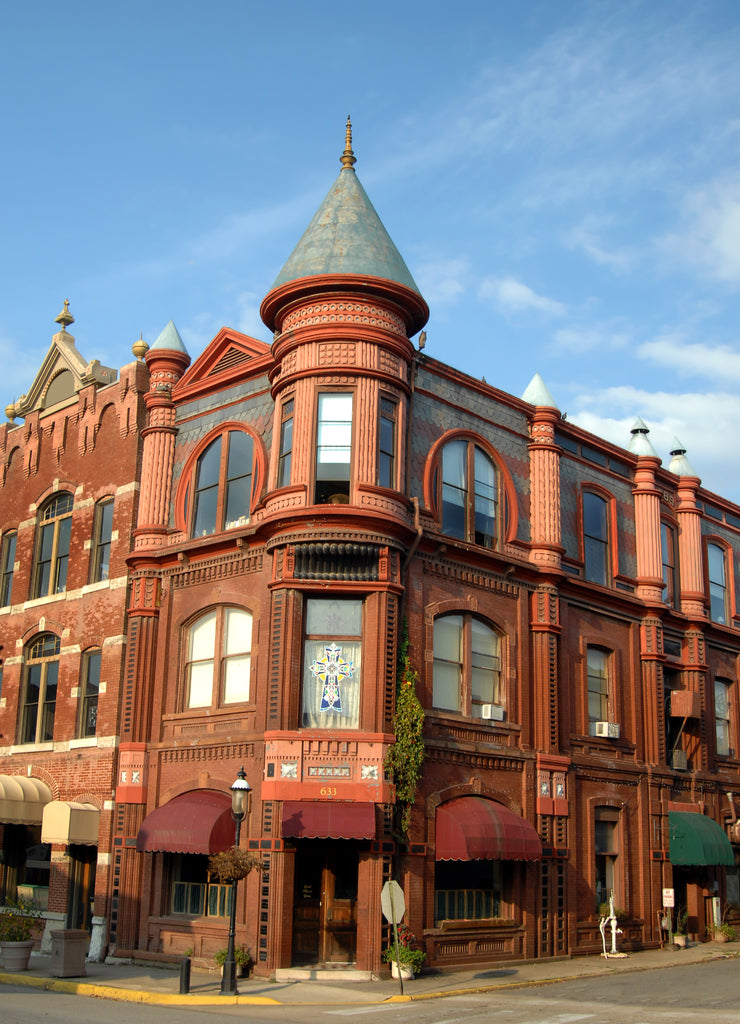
[
  {"x": 242, "y": 956},
  {"x": 410, "y": 960},
  {"x": 680, "y": 937},
  {"x": 19, "y": 920}
]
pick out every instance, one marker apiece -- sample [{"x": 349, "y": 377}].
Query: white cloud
[
  {"x": 512, "y": 296},
  {"x": 719, "y": 361},
  {"x": 707, "y": 424},
  {"x": 712, "y": 235}
]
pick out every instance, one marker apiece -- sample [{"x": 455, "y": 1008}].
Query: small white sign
[{"x": 669, "y": 898}]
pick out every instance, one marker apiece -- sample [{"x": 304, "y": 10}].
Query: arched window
[
  {"x": 467, "y": 493},
  {"x": 717, "y": 571},
  {"x": 39, "y": 689},
  {"x": 52, "y": 546},
  {"x": 217, "y": 670},
  {"x": 596, "y": 538},
  {"x": 467, "y": 667},
  {"x": 222, "y": 491}
]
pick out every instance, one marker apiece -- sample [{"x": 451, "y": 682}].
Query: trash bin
[{"x": 68, "y": 951}]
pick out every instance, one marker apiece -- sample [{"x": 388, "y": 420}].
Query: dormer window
[{"x": 223, "y": 484}]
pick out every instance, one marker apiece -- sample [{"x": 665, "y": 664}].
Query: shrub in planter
[
  {"x": 19, "y": 920},
  {"x": 242, "y": 957}
]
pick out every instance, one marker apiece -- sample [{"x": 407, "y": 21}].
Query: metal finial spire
[
  {"x": 65, "y": 318},
  {"x": 347, "y": 158}
]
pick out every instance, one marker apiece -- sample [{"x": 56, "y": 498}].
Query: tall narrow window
[
  {"x": 598, "y": 685},
  {"x": 223, "y": 484},
  {"x": 89, "y": 691},
  {"x": 332, "y": 652},
  {"x": 333, "y": 448},
  {"x": 469, "y": 496},
  {"x": 218, "y": 666},
  {"x": 606, "y": 844},
  {"x": 40, "y": 689},
  {"x": 670, "y": 563},
  {"x": 717, "y": 584},
  {"x": 722, "y": 716},
  {"x": 595, "y": 538},
  {"x": 102, "y": 540},
  {"x": 467, "y": 666},
  {"x": 7, "y": 567},
  {"x": 286, "y": 445},
  {"x": 387, "y": 444},
  {"x": 52, "y": 552}
]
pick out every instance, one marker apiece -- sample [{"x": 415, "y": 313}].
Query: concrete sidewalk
[{"x": 143, "y": 983}]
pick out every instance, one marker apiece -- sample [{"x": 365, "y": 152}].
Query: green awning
[{"x": 696, "y": 839}]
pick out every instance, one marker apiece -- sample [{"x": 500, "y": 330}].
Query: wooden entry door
[{"x": 325, "y": 903}]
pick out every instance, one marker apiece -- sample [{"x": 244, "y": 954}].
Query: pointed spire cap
[
  {"x": 537, "y": 393},
  {"x": 679, "y": 464},
  {"x": 170, "y": 340},
  {"x": 640, "y": 443},
  {"x": 346, "y": 235}
]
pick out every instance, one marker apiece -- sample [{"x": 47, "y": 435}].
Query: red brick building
[
  {"x": 68, "y": 504},
  {"x": 572, "y": 617}
]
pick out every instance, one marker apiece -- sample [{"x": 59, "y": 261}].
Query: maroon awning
[
  {"x": 324, "y": 819},
  {"x": 473, "y": 828},
  {"x": 196, "y": 822}
]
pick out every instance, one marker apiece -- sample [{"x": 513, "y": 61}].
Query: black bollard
[{"x": 185, "y": 976}]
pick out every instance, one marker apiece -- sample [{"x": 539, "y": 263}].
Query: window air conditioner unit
[
  {"x": 678, "y": 761},
  {"x": 608, "y": 729},
  {"x": 493, "y": 712}
]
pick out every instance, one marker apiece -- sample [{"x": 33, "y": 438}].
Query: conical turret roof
[{"x": 346, "y": 236}]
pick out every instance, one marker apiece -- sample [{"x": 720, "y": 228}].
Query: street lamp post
[{"x": 240, "y": 790}]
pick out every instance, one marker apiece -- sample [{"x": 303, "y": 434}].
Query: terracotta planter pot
[{"x": 16, "y": 954}]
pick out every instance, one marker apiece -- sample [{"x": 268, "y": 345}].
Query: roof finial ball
[
  {"x": 65, "y": 318},
  {"x": 347, "y": 158},
  {"x": 140, "y": 348}
]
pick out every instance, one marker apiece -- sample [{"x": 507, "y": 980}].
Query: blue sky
[{"x": 562, "y": 179}]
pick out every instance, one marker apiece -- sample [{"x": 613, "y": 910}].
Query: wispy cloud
[
  {"x": 511, "y": 296},
  {"x": 587, "y": 238},
  {"x": 719, "y": 362},
  {"x": 442, "y": 281},
  {"x": 578, "y": 340},
  {"x": 711, "y": 233}
]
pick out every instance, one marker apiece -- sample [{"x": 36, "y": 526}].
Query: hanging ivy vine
[{"x": 405, "y": 758}]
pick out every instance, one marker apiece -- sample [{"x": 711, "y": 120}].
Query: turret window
[
  {"x": 387, "y": 444},
  {"x": 333, "y": 448}
]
